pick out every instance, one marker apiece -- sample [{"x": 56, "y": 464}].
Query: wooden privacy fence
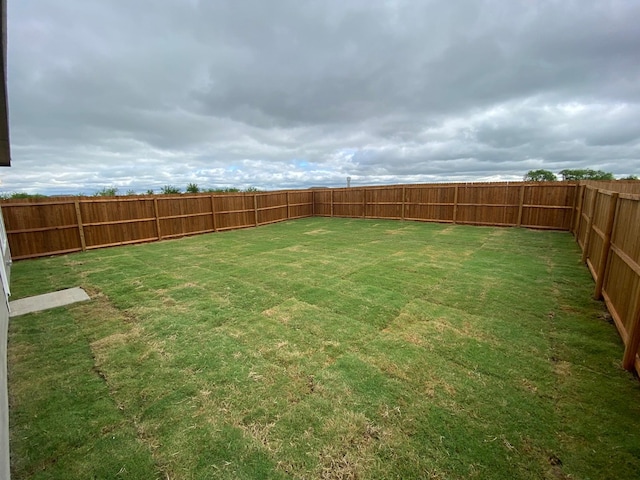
[
  {"x": 72, "y": 224},
  {"x": 534, "y": 205},
  {"x": 607, "y": 228},
  {"x": 67, "y": 225}
]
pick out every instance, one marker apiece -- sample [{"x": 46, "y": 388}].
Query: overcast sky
[{"x": 293, "y": 94}]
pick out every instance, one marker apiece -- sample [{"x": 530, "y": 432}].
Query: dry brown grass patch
[{"x": 354, "y": 455}]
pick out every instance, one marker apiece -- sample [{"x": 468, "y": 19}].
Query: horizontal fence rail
[{"x": 604, "y": 217}]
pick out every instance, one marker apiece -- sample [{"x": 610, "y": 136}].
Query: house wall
[
  {"x": 4, "y": 400},
  {"x": 5, "y": 255},
  {"x": 5, "y": 273}
]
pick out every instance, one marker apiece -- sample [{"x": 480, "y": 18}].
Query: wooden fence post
[
  {"x": 83, "y": 242},
  {"x": 455, "y": 204},
  {"x": 364, "y": 203},
  {"x": 155, "y": 210},
  {"x": 404, "y": 192},
  {"x": 288, "y": 214},
  {"x": 573, "y": 210},
  {"x": 255, "y": 208},
  {"x": 213, "y": 213},
  {"x": 606, "y": 246},
  {"x": 578, "y": 212},
  {"x": 520, "y": 205},
  {"x": 587, "y": 240},
  {"x": 332, "y": 202},
  {"x": 506, "y": 198}
]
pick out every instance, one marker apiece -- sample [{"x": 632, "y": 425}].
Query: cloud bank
[{"x": 290, "y": 94}]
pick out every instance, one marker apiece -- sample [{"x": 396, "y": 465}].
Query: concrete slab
[{"x": 47, "y": 301}]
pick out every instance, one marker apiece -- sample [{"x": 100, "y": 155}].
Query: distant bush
[
  {"x": 20, "y": 195},
  {"x": 169, "y": 190},
  {"x": 106, "y": 192},
  {"x": 586, "y": 174},
  {"x": 540, "y": 176},
  {"x": 193, "y": 188},
  {"x": 223, "y": 190},
  {"x": 569, "y": 175}
]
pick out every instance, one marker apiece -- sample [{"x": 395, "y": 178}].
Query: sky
[{"x": 281, "y": 94}]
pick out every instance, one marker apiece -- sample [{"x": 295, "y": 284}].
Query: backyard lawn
[{"x": 323, "y": 348}]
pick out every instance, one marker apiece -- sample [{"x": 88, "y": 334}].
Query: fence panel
[
  {"x": 621, "y": 285},
  {"x": 598, "y": 232},
  {"x": 586, "y": 212},
  {"x": 301, "y": 203},
  {"x": 36, "y": 230},
  {"x": 272, "y": 207},
  {"x": 620, "y": 186},
  {"x": 110, "y": 222},
  {"x": 549, "y": 205},
  {"x": 349, "y": 202},
  {"x": 179, "y": 216},
  {"x": 489, "y": 204},
  {"x": 431, "y": 203},
  {"x": 384, "y": 202},
  {"x": 322, "y": 202},
  {"x": 234, "y": 211}
]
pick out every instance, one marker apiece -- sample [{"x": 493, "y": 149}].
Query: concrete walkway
[{"x": 47, "y": 301}]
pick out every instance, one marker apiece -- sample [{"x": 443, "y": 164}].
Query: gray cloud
[{"x": 289, "y": 94}]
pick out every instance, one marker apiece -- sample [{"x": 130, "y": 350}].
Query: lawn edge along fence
[
  {"x": 604, "y": 217},
  {"x": 58, "y": 225}
]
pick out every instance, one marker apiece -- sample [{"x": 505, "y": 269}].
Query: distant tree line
[
  {"x": 165, "y": 190},
  {"x": 173, "y": 190},
  {"x": 572, "y": 175}
]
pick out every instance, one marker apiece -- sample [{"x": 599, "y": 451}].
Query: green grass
[{"x": 323, "y": 349}]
